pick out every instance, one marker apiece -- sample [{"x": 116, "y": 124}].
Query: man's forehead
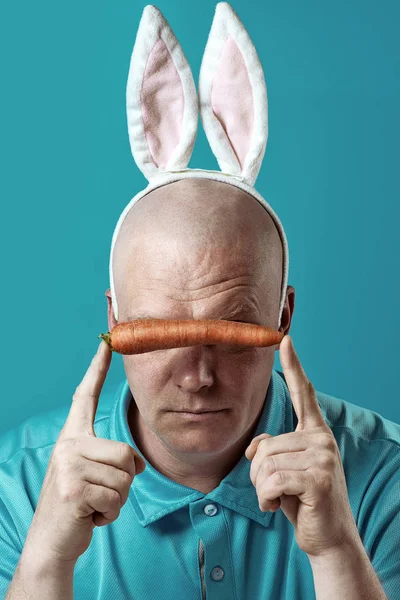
[
  {"x": 239, "y": 305},
  {"x": 216, "y": 243}
]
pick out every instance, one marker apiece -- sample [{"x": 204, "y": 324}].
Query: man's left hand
[{"x": 302, "y": 471}]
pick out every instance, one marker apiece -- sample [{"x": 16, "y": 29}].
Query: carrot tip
[{"x": 107, "y": 338}]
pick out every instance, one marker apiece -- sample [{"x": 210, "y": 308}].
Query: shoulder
[{"x": 348, "y": 419}]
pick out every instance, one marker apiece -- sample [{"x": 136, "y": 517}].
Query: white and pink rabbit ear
[
  {"x": 233, "y": 97},
  {"x": 161, "y": 99}
]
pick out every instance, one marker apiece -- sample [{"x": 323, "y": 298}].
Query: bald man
[
  {"x": 203, "y": 514},
  {"x": 192, "y": 250}
]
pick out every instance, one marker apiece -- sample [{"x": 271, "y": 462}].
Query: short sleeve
[
  {"x": 10, "y": 551},
  {"x": 381, "y": 507}
]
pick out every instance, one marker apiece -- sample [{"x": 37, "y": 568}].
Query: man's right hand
[{"x": 87, "y": 479}]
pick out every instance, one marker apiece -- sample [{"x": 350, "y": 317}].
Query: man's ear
[
  {"x": 287, "y": 312},
  {"x": 112, "y": 322}
]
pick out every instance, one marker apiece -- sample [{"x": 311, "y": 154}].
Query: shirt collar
[{"x": 153, "y": 495}]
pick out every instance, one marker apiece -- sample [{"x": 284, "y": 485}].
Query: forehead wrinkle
[{"x": 241, "y": 306}]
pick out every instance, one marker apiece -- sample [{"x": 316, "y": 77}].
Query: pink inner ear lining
[
  {"x": 232, "y": 99},
  {"x": 162, "y": 104}
]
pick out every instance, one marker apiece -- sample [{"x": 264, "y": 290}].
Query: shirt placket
[{"x": 201, "y": 563}]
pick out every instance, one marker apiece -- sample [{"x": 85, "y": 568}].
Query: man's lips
[
  {"x": 196, "y": 412},
  {"x": 204, "y": 416}
]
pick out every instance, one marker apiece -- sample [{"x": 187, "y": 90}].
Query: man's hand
[
  {"x": 87, "y": 479},
  {"x": 303, "y": 469}
]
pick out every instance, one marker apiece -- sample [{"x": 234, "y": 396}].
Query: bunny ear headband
[{"x": 163, "y": 108}]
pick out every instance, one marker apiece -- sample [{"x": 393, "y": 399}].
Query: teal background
[{"x": 330, "y": 171}]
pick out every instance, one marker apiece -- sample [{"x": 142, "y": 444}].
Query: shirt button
[
  {"x": 210, "y": 510},
  {"x": 217, "y": 574}
]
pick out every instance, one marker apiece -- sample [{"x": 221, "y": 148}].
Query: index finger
[
  {"x": 301, "y": 391},
  {"x": 86, "y": 397}
]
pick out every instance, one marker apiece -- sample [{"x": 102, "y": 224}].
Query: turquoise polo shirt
[{"x": 171, "y": 541}]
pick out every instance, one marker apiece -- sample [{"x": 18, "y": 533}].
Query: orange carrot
[{"x": 145, "y": 335}]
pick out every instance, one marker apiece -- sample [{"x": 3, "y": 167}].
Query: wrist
[
  {"x": 348, "y": 549},
  {"x": 44, "y": 564}
]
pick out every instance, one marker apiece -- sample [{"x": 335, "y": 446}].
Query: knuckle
[
  {"x": 330, "y": 442},
  {"x": 115, "y": 499},
  {"x": 326, "y": 461},
  {"x": 124, "y": 489},
  {"x": 85, "y": 492},
  {"x": 326, "y": 441},
  {"x": 127, "y": 455},
  {"x": 322, "y": 481},
  {"x": 126, "y": 480},
  {"x": 70, "y": 491},
  {"x": 278, "y": 478},
  {"x": 270, "y": 465}
]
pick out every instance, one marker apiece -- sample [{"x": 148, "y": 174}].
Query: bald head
[{"x": 193, "y": 239}]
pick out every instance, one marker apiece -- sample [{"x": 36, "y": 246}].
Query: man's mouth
[{"x": 202, "y": 415}]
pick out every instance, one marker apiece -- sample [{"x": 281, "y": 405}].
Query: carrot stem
[{"x": 107, "y": 338}]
